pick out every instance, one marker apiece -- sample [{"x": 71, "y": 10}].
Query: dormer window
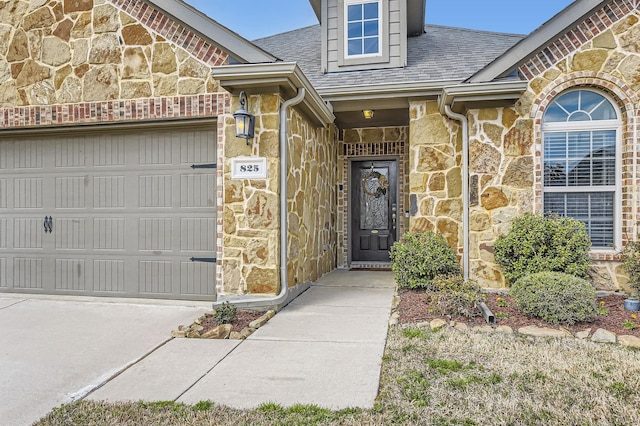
[{"x": 363, "y": 27}]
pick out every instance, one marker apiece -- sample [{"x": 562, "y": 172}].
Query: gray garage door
[{"x": 110, "y": 213}]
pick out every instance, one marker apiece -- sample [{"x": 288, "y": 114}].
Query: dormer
[{"x": 367, "y": 34}]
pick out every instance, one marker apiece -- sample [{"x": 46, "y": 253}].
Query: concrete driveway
[{"x": 56, "y": 350}]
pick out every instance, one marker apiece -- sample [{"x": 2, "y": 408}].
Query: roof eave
[
  {"x": 238, "y": 47},
  {"x": 463, "y": 97},
  {"x": 282, "y": 77},
  {"x": 525, "y": 49}
]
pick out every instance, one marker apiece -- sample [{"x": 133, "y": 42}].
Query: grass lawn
[{"x": 446, "y": 377}]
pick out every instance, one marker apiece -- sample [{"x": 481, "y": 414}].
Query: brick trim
[
  {"x": 119, "y": 111},
  {"x": 173, "y": 31},
  {"x": 626, "y": 99},
  {"x": 572, "y": 40}
]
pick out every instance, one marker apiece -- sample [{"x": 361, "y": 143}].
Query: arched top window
[
  {"x": 580, "y": 105},
  {"x": 581, "y": 158}
]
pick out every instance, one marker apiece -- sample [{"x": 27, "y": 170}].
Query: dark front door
[{"x": 374, "y": 212}]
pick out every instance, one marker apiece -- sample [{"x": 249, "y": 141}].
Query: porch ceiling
[{"x": 382, "y": 118}]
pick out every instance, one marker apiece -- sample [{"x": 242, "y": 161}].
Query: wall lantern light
[
  {"x": 245, "y": 122},
  {"x": 368, "y": 114}
]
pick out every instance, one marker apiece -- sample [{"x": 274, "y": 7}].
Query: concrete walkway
[
  {"x": 54, "y": 350},
  {"x": 325, "y": 348}
]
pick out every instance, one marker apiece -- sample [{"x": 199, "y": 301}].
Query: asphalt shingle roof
[{"x": 441, "y": 53}]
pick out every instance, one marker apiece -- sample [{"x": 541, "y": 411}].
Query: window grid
[
  {"x": 581, "y": 162},
  {"x": 362, "y": 28}
]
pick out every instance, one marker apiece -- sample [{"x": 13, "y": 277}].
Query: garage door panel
[
  {"x": 197, "y": 278},
  {"x": 108, "y": 192},
  {"x": 71, "y": 192},
  {"x": 108, "y": 276},
  {"x": 70, "y": 275},
  {"x": 109, "y": 151},
  {"x": 3, "y": 272},
  {"x": 4, "y": 155},
  {"x": 197, "y": 190},
  {"x": 28, "y": 193},
  {"x": 154, "y": 150},
  {"x": 155, "y": 191},
  {"x": 27, "y": 273},
  {"x": 28, "y": 232},
  {"x": 71, "y": 153},
  {"x": 195, "y": 234},
  {"x": 196, "y": 148},
  {"x": 3, "y": 233},
  {"x": 4, "y": 195},
  {"x": 70, "y": 233},
  {"x": 155, "y": 277},
  {"x": 28, "y": 154},
  {"x": 155, "y": 234},
  {"x": 108, "y": 233}
]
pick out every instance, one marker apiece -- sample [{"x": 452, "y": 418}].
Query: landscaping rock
[
  {"x": 543, "y": 332},
  {"x": 603, "y": 336},
  {"x": 236, "y": 336},
  {"x": 461, "y": 326},
  {"x": 629, "y": 341},
  {"x": 504, "y": 329},
  {"x": 393, "y": 320},
  {"x": 179, "y": 333},
  {"x": 247, "y": 331},
  {"x": 262, "y": 320},
  {"x": 220, "y": 332},
  {"x": 193, "y": 334},
  {"x": 437, "y": 324},
  {"x": 583, "y": 334}
]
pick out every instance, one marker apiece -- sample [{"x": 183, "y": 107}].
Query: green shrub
[
  {"x": 555, "y": 297},
  {"x": 419, "y": 257},
  {"x": 630, "y": 256},
  {"x": 537, "y": 244},
  {"x": 452, "y": 296},
  {"x": 225, "y": 313}
]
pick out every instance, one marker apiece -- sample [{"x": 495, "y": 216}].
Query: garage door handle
[{"x": 48, "y": 224}]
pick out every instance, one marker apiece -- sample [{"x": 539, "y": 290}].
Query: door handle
[{"x": 48, "y": 224}]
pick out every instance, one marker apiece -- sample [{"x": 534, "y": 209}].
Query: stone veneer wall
[
  {"x": 251, "y": 260},
  {"x": 435, "y": 181},
  {"x": 72, "y": 62},
  {"x": 602, "y": 53},
  {"x": 366, "y": 144}
]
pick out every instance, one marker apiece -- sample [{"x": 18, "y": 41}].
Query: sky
[{"x": 254, "y": 19}]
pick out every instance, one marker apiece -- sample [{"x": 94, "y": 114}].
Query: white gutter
[
  {"x": 281, "y": 298},
  {"x": 465, "y": 187}
]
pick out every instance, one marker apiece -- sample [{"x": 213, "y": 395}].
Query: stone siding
[
  {"x": 435, "y": 180},
  {"x": 252, "y": 207},
  {"x": 73, "y": 52},
  {"x": 602, "y": 54}
]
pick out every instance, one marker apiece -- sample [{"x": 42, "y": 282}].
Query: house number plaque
[{"x": 249, "y": 168}]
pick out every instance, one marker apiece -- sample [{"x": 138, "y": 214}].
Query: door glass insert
[{"x": 374, "y": 198}]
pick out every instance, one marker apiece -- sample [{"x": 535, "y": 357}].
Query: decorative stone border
[
  {"x": 599, "y": 336},
  {"x": 224, "y": 331}
]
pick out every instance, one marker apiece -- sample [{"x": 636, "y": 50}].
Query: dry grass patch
[
  {"x": 453, "y": 377},
  {"x": 439, "y": 378}
]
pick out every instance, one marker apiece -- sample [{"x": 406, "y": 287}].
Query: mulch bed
[
  {"x": 243, "y": 320},
  {"x": 413, "y": 308}
]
